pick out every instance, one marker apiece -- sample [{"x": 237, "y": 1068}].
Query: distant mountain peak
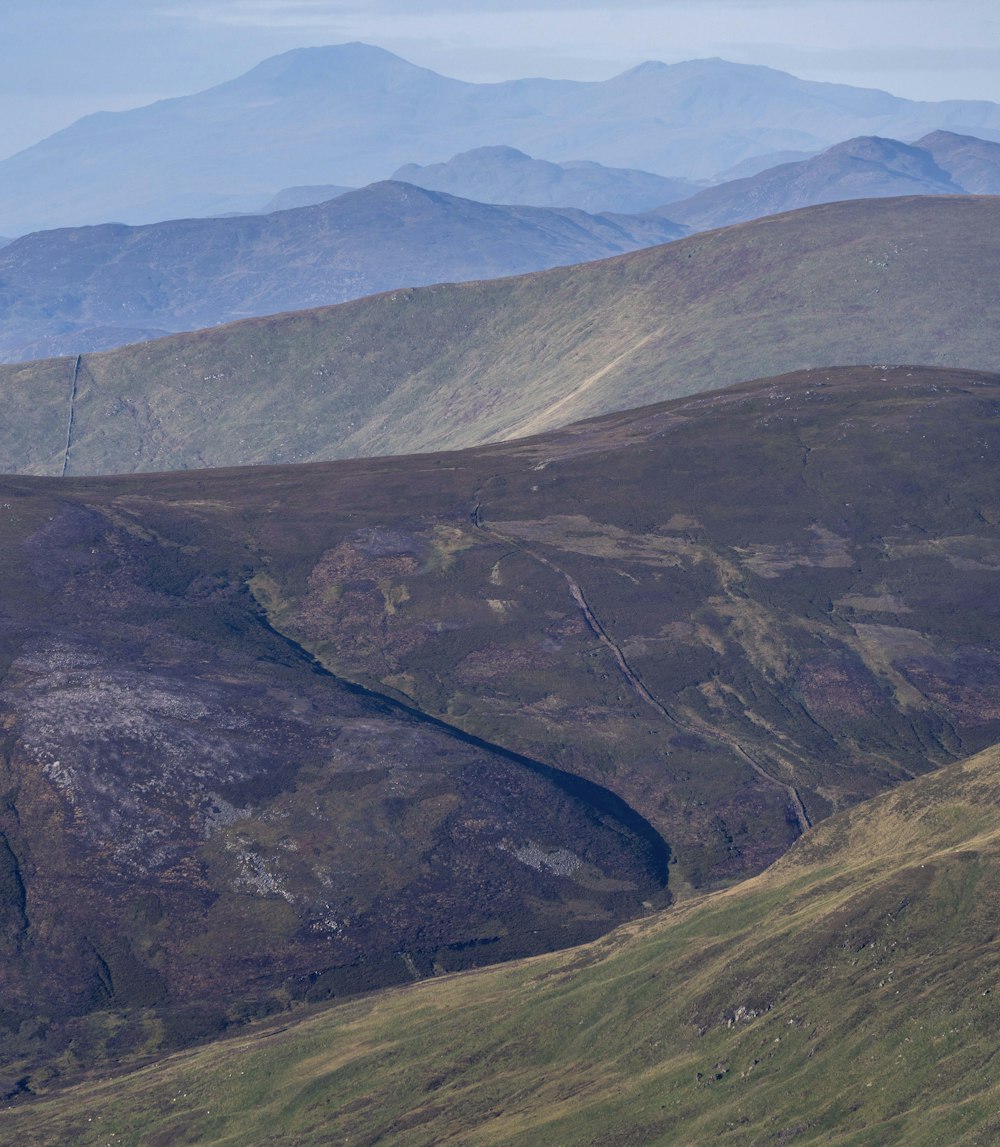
[
  {"x": 500, "y": 150},
  {"x": 866, "y": 166},
  {"x": 393, "y": 190},
  {"x": 871, "y": 147},
  {"x": 647, "y": 68},
  {"x": 354, "y": 52},
  {"x": 905, "y": 158},
  {"x": 658, "y": 67},
  {"x": 504, "y": 174},
  {"x": 941, "y": 136},
  {"x": 331, "y": 66}
]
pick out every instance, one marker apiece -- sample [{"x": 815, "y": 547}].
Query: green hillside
[
  {"x": 869, "y": 282},
  {"x": 848, "y": 995}
]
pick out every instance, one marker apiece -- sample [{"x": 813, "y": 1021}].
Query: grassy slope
[
  {"x": 847, "y": 995},
  {"x": 904, "y": 281}
]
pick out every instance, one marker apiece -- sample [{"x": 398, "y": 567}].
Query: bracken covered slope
[{"x": 888, "y": 281}]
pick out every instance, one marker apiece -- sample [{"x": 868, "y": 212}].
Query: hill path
[{"x": 536, "y": 423}]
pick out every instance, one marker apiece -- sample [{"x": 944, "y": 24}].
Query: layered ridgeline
[
  {"x": 76, "y": 290},
  {"x": 884, "y": 281},
  {"x": 89, "y": 288},
  {"x": 505, "y": 175},
  {"x": 352, "y": 114},
  {"x": 849, "y": 994},
  {"x": 279, "y": 734},
  {"x": 941, "y": 163}
]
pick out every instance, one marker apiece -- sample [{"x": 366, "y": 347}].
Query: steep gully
[
  {"x": 72, "y": 415},
  {"x": 632, "y": 678},
  {"x": 601, "y": 800}
]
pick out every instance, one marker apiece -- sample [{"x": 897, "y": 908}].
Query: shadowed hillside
[
  {"x": 887, "y": 281},
  {"x": 282, "y": 734},
  {"x": 972, "y": 162}
]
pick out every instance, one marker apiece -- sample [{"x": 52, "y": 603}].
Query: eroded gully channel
[
  {"x": 633, "y": 679},
  {"x": 602, "y": 801}
]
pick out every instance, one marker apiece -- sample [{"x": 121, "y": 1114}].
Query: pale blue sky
[{"x": 65, "y": 58}]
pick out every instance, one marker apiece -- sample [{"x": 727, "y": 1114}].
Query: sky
[{"x": 65, "y": 58}]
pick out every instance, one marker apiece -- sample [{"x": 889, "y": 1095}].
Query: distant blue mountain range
[{"x": 352, "y": 114}]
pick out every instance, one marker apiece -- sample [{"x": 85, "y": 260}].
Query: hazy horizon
[{"x": 66, "y": 60}]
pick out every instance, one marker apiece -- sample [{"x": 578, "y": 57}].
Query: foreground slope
[
  {"x": 887, "y": 281},
  {"x": 847, "y": 995},
  {"x": 598, "y": 668},
  {"x": 352, "y": 113},
  {"x": 90, "y": 288}
]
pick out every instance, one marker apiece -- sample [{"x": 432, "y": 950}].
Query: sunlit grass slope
[
  {"x": 866, "y": 282},
  {"x": 847, "y": 995}
]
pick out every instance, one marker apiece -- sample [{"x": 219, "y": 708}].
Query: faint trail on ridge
[
  {"x": 72, "y": 415},
  {"x": 540, "y": 421}
]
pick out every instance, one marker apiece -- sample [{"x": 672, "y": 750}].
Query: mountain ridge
[
  {"x": 861, "y": 168},
  {"x": 311, "y": 131},
  {"x": 81, "y": 289},
  {"x": 441, "y": 367},
  {"x": 500, "y": 174}
]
